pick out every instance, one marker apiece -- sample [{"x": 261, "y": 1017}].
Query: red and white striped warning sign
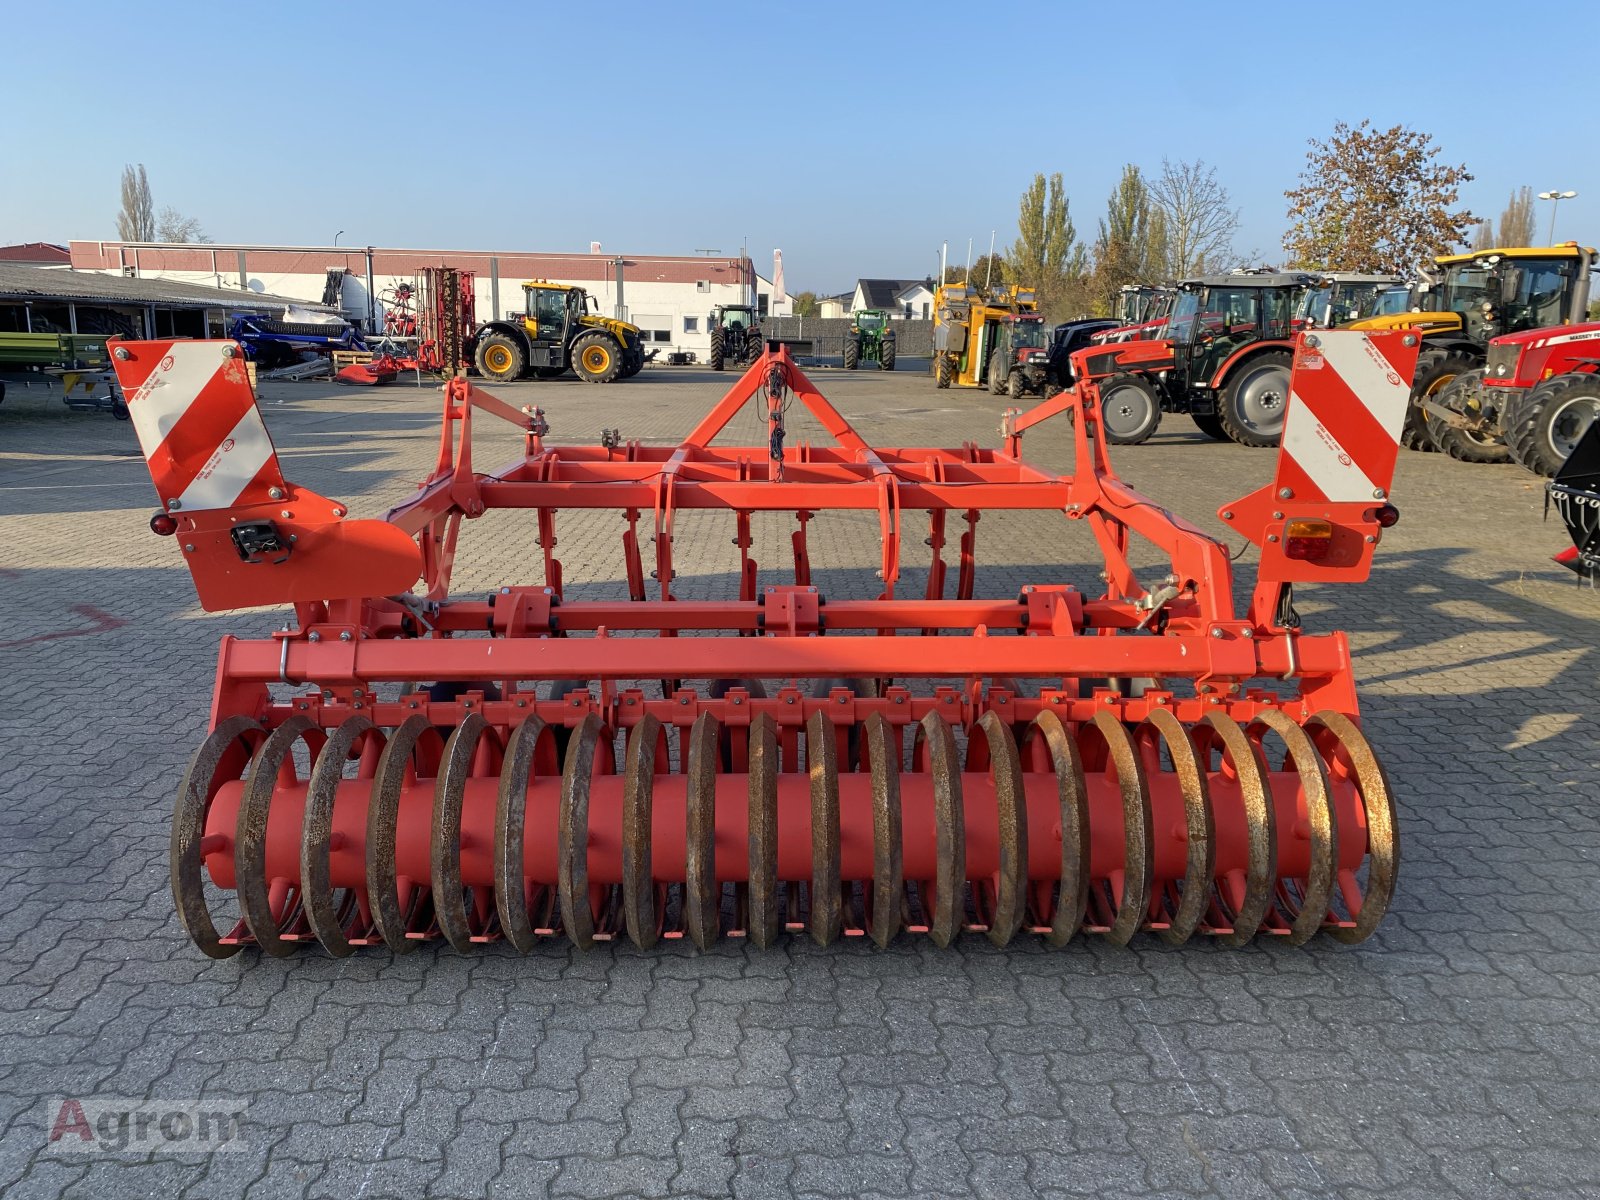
[
  {"x": 198, "y": 425},
  {"x": 1347, "y": 406}
]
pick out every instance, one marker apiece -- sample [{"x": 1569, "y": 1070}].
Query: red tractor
[
  {"x": 1222, "y": 356},
  {"x": 1542, "y": 388},
  {"x": 1019, "y": 364}
]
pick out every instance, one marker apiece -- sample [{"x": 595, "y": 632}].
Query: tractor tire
[
  {"x": 1251, "y": 407},
  {"x": 1464, "y": 444},
  {"x": 719, "y": 349},
  {"x": 597, "y": 358},
  {"x": 944, "y": 371},
  {"x": 499, "y": 358},
  {"x": 1130, "y": 410},
  {"x": 997, "y": 375},
  {"x": 886, "y": 354},
  {"x": 1210, "y": 426},
  {"x": 753, "y": 344},
  {"x": 1435, "y": 369},
  {"x": 1016, "y": 385},
  {"x": 852, "y": 354},
  {"x": 1545, "y": 422}
]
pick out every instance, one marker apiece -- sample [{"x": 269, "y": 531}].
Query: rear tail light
[
  {"x": 163, "y": 524},
  {"x": 1388, "y": 516},
  {"x": 1308, "y": 541}
]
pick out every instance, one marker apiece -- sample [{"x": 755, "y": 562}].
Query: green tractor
[
  {"x": 735, "y": 335},
  {"x": 871, "y": 339}
]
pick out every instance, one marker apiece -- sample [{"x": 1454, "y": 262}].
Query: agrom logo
[
  {"x": 168, "y": 363},
  {"x": 226, "y": 446},
  {"x": 106, "y": 1125}
]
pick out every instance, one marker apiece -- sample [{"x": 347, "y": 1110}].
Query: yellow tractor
[
  {"x": 1469, "y": 299},
  {"x": 968, "y": 324},
  {"x": 558, "y": 330}
]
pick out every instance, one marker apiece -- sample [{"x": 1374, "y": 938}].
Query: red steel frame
[
  {"x": 346, "y": 645},
  {"x": 1204, "y": 657}
]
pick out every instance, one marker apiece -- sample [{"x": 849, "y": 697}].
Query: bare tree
[
  {"x": 136, "y": 221},
  {"x": 1200, "y": 218},
  {"x": 173, "y": 226},
  {"x": 1516, "y": 219},
  {"x": 1375, "y": 200},
  {"x": 1483, "y": 236}
]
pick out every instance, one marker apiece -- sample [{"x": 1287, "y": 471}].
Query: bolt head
[
  {"x": 188, "y": 547},
  {"x": 1285, "y": 493},
  {"x": 229, "y": 350},
  {"x": 1410, "y": 339},
  {"x": 313, "y": 636},
  {"x": 174, "y": 505},
  {"x": 1217, "y": 632},
  {"x": 1379, "y": 494},
  {"x": 1227, "y": 514},
  {"x": 275, "y": 493},
  {"x": 120, "y": 354},
  {"x": 1313, "y": 340},
  {"x": 1371, "y": 538},
  {"x": 344, "y": 635}
]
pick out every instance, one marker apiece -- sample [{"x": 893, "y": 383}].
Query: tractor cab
[
  {"x": 1500, "y": 292},
  {"x": 732, "y": 316},
  {"x": 1340, "y": 297},
  {"x": 1020, "y": 336},
  {"x": 1213, "y": 317}
]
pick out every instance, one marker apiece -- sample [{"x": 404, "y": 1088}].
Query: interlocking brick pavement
[{"x": 1453, "y": 1054}]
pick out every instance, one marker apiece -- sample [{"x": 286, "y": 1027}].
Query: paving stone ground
[{"x": 1454, "y": 1054}]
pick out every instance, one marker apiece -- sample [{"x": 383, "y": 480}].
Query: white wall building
[{"x": 668, "y": 297}]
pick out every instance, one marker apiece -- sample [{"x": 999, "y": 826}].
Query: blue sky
[{"x": 856, "y": 137}]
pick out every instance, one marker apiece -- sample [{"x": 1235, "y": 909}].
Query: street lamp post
[
  {"x": 337, "y": 236},
  {"x": 1555, "y": 199}
]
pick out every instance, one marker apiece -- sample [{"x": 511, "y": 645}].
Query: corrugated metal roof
[{"x": 19, "y": 282}]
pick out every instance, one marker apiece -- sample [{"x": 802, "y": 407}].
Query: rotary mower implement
[{"x": 1140, "y": 758}]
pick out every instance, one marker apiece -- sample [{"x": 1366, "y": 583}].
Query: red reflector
[
  {"x": 1308, "y": 541},
  {"x": 163, "y": 524},
  {"x": 1388, "y": 516}
]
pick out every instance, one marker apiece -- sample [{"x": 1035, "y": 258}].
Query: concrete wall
[{"x": 913, "y": 339}]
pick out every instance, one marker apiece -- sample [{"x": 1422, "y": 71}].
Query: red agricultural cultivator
[{"x": 398, "y": 765}]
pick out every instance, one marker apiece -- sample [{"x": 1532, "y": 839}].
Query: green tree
[
  {"x": 1516, "y": 219},
  {"x": 1131, "y": 246},
  {"x": 1047, "y": 253},
  {"x": 805, "y": 304},
  {"x": 990, "y": 267},
  {"x": 136, "y": 220},
  {"x": 1375, "y": 200}
]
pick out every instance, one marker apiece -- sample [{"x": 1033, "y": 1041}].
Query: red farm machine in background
[
  {"x": 439, "y": 310},
  {"x": 534, "y": 763}
]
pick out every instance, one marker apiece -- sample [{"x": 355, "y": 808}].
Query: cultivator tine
[{"x": 486, "y": 804}]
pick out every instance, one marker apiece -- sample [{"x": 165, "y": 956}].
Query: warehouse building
[
  {"x": 50, "y": 299},
  {"x": 669, "y": 298}
]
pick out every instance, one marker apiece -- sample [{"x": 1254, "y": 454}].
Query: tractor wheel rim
[
  {"x": 1126, "y": 410},
  {"x": 1570, "y": 422},
  {"x": 498, "y": 358},
  {"x": 1262, "y": 396},
  {"x": 596, "y": 358}
]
